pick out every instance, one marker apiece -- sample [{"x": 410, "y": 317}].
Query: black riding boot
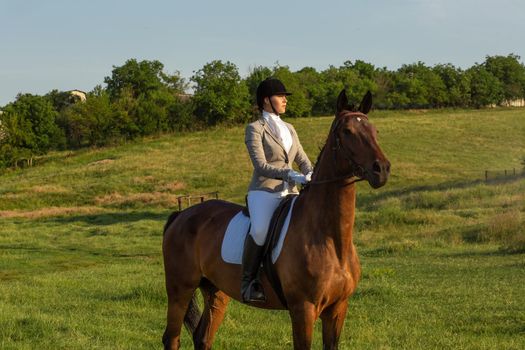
[{"x": 251, "y": 288}]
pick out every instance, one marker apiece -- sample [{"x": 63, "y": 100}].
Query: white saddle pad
[{"x": 233, "y": 242}]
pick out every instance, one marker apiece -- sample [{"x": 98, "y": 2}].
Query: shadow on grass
[
  {"x": 112, "y": 218},
  {"x": 478, "y": 253},
  {"x": 370, "y": 198}
]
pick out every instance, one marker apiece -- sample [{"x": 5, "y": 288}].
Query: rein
[
  {"x": 320, "y": 182},
  {"x": 357, "y": 170}
]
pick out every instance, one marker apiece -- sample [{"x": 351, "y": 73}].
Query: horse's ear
[
  {"x": 366, "y": 103},
  {"x": 342, "y": 102}
]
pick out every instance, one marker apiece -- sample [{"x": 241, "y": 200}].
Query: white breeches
[{"x": 261, "y": 205}]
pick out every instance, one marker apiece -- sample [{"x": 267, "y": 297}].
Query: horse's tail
[
  {"x": 192, "y": 316},
  {"x": 193, "y": 313},
  {"x": 171, "y": 218}
]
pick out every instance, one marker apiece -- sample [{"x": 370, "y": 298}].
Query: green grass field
[{"x": 442, "y": 250}]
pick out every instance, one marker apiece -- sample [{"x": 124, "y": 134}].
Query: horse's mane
[
  {"x": 323, "y": 147},
  {"x": 335, "y": 124}
]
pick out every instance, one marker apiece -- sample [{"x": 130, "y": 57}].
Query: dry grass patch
[
  {"x": 102, "y": 162},
  {"x": 13, "y": 195},
  {"x": 505, "y": 225},
  {"x": 173, "y": 186},
  {"x": 48, "y": 189},
  {"x": 510, "y": 200},
  {"x": 144, "y": 179},
  {"x": 49, "y": 212},
  {"x": 153, "y": 198}
]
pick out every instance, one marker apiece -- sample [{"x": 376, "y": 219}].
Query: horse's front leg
[
  {"x": 333, "y": 318},
  {"x": 303, "y": 316}
]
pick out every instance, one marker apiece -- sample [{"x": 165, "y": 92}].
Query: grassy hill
[{"x": 442, "y": 249}]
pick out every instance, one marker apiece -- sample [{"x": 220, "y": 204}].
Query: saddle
[{"x": 274, "y": 232}]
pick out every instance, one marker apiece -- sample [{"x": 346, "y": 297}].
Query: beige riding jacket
[{"x": 270, "y": 161}]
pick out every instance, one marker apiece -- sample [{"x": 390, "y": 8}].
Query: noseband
[{"x": 356, "y": 170}]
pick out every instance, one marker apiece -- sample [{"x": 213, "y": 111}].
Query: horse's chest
[{"x": 334, "y": 282}]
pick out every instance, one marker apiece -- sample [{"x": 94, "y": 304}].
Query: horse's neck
[
  {"x": 335, "y": 205},
  {"x": 332, "y": 213}
]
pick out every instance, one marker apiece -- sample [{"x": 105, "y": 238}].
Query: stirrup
[{"x": 254, "y": 293}]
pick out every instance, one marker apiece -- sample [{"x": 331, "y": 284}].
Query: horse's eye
[{"x": 347, "y": 132}]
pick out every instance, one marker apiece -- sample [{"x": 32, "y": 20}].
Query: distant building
[
  {"x": 78, "y": 94},
  {"x": 520, "y": 102},
  {"x": 514, "y": 103}
]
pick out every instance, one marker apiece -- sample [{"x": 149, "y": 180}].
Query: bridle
[{"x": 356, "y": 170}]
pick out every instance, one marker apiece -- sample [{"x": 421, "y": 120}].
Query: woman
[{"x": 273, "y": 146}]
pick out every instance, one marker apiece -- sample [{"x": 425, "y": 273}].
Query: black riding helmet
[{"x": 268, "y": 88}]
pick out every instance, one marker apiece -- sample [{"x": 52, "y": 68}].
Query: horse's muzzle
[{"x": 379, "y": 174}]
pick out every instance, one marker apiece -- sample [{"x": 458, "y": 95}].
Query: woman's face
[{"x": 278, "y": 102}]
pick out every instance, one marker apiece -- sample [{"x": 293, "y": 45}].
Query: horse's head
[{"x": 355, "y": 142}]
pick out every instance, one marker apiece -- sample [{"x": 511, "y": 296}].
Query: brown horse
[{"x": 318, "y": 266}]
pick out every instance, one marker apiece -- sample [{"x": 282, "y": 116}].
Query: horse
[{"x": 318, "y": 266}]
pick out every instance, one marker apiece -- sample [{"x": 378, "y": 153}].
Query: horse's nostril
[{"x": 376, "y": 167}]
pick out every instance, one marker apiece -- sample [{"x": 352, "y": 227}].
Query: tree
[
  {"x": 220, "y": 95},
  {"x": 332, "y": 84},
  {"x": 60, "y": 99},
  {"x": 485, "y": 88},
  {"x": 422, "y": 86},
  {"x": 144, "y": 96},
  {"x": 138, "y": 77},
  {"x": 384, "y": 81},
  {"x": 510, "y": 72},
  {"x": 151, "y": 114},
  {"x": 30, "y": 128},
  {"x": 359, "y": 78},
  {"x": 362, "y": 68},
  {"x": 142, "y": 78},
  {"x": 456, "y": 83},
  {"x": 92, "y": 123},
  {"x": 315, "y": 90},
  {"x": 16, "y": 137}
]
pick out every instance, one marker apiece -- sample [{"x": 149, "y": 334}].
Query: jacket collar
[{"x": 269, "y": 131}]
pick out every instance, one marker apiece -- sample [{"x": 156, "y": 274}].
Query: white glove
[
  {"x": 296, "y": 177},
  {"x": 309, "y": 176}
]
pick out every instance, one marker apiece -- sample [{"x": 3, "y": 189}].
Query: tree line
[{"x": 140, "y": 99}]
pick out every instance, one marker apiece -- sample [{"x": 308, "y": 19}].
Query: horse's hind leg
[
  {"x": 178, "y": 302},
  {"x": 182, "y": 279},
  {"x": 215, "y": 304}
]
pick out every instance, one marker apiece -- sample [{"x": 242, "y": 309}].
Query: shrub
[
  {"x": 507, "y": 229},
  {"x": 29, "y": 128},
  {"x": 93, "y": 123},
  {"x": 220, "y": 96}
]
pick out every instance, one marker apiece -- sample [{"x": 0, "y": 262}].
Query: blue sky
[{"x": 64, "y": 45}]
